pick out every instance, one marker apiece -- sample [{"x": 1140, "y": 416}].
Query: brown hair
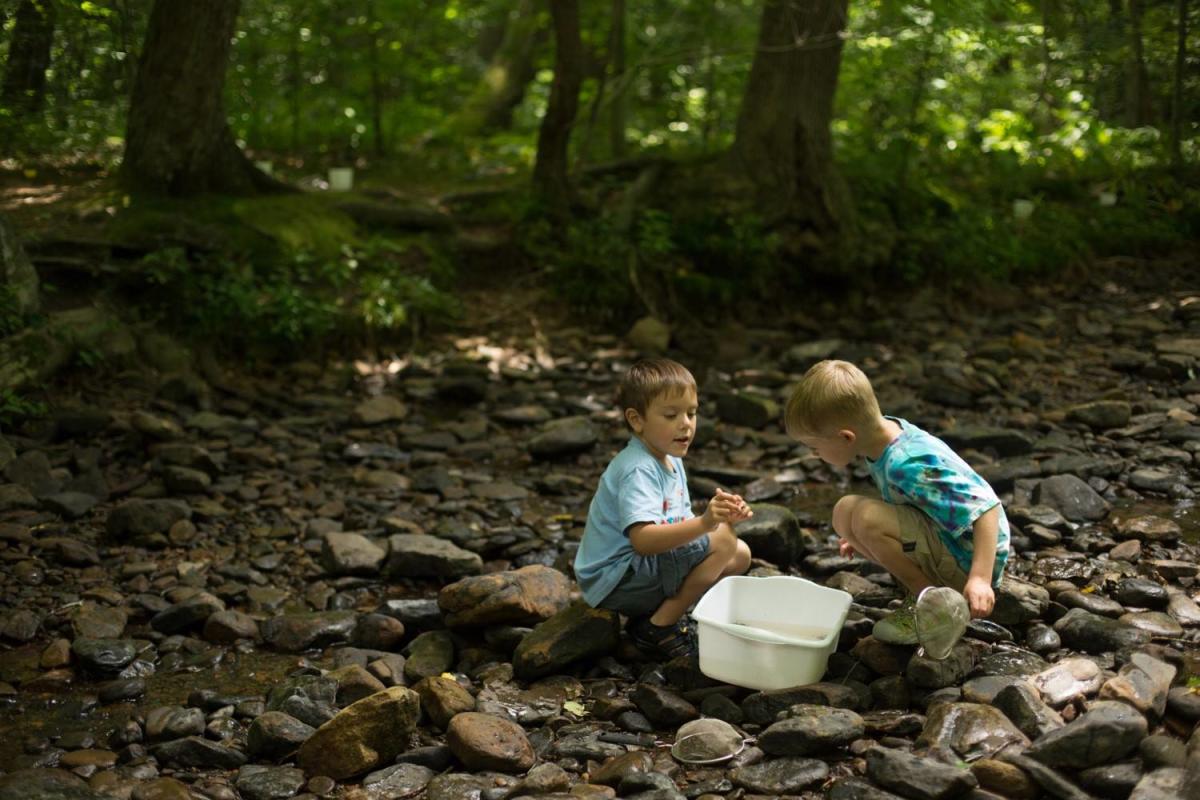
[
  {"x": 832, "y": 395},
  {"x": 650, "y": 377}
]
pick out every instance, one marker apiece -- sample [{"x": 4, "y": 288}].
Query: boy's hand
[
  {"x": 725, "y": 507},
  {"x": 845, "y": 549},
  {"x": 980, "y": 597}
]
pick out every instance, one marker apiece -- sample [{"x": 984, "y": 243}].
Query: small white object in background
[
  {"x": 1022, "y": 209},
  {"x": 341, "y": 179},
  {"x": 265, "y": 167},
  {"x": 1107, "y": 198}
]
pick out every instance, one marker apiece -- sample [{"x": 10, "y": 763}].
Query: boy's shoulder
[
  {"x": 918, "y": 444},
  {"x": 633, "y": 458}
]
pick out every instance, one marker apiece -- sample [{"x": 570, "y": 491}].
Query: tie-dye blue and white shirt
[{"x": 920, "y": 470}]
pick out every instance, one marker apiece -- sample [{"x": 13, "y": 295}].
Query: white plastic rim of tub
[{"x": 763, "y": 635}]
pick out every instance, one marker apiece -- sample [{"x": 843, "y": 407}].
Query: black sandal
[{"x": 663, "y": 641}]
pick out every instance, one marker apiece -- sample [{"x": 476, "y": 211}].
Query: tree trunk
[
  {"x": 550, "y": 178},
  {"x": 1177, "y": 93},
  {"x": 490, "y": 107},
  {"x": 376, "y": 80},
  {"x": 1138, "y": 104},
  {"x": 177, "y": 139},
  {"x": 24, "y": 90},
  {"x": 616, "y": 66},
  {"x": 783, "y": 145}
]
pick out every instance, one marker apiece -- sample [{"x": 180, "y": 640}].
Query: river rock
[
  {"x": 420, "y": 556},
  {"x": 525, "y": 596},
  {"x": 1082, "y": 630},
  {"x": 1070, "y": 495},
  {"x": 295, "y": 633},
  {"x": 1068, "y": 679},
  {"x": 1143, "y": 683},
  {"x": 484, "y": 742},
  {"x": 1107, "y": 733},
  {"x": 774, "y": 533},
  {"x": 274, "y": 735},
  {"x": 779, "y": 776},
  {"x": 1019, "y": 601},
  {"x": 362, "y": 736},
  {"x": 564, "y": 437},
  {"x": 575, "y": 633},
  {"x": 972, "y": 730},
  {"x": 351, "y": 554},
  {"x": 811, "y": 729},
  {"x": 1101, "y": 415},
  {"x": 136, "y": 518},
  {"x": 1026, "y": 710},
  {"x": 442, "y": 699},
  {"x": 1147, "y": 528},
  {"x": 255, "y": 782},
  {"x": 916, "y": 777}
]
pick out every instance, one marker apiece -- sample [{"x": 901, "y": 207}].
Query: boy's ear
[
  {"x": 634, "y": 419},
  {"x": 848, "y": 436}
]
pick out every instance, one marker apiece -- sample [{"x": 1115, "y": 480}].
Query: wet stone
[
  {"x": 811, "y": 729},
  {"x": 104, "y": 655},
  {"x": 294, "y": 633},
  {"x": 1156, "y": 623},
  {"x": 1142, "y": 593},
  {"x": 1026, "y": 710},
  {"x": 1090, "y": 601},
  {"x": 972, "y": 730},
  {"x": 275, "y": 735},
  {"x": 1106, "y": 733},
  {"x": 398, "y": 781},
  {"x": 779, "y": 776},
  {"x": 917, "y": 777},
  {"x": 195, "y": 751},
  {"x": 1112, "y": 780},
  {"x": 1091, "y": 633},
  {"x": 484, "y": 742},
  {"x": 256, "y": 782}
]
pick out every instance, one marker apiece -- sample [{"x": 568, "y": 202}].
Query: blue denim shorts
[{"x": 652, "y": 579}]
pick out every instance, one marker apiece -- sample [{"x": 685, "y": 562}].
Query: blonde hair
[
  {"x": 650, "y": 377},
  {"x": 831, "y": 396}
]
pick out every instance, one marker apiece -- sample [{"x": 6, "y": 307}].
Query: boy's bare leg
[
  {"x": 726, "y": 551},
  {"x": 875, "y": 525}
]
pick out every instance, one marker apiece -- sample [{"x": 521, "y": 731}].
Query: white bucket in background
[
  {"x": 769, "y": 633},
  {"x": 341, "y": 179}
]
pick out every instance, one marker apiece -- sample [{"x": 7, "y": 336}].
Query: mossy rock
[{"x": 298, "y": 222}]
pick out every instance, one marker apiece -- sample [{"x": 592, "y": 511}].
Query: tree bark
[
  {"x": 490, "y": 107},
  {"x": 1181, "y": 12},
  {"x": 1138, "y": 105},
  {"x": 24, "y": 90},
  {"x": 783, "y": 145},
  {"x": 616, "y": 68},
  {"x": 550, "y": 177},
  {"x": 178, "y": 140}
]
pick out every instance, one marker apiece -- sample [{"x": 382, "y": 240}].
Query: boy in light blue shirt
[
  {"x": 644, "y": 553},
  {"x": 939, "y": 523}
]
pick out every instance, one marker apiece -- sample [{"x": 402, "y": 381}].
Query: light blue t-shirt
[
  {"x": 634, "y": 488},
  {"x": 920, "y": 470}
]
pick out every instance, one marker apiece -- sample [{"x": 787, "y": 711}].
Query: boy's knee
[
  {"x": 722, "y": 540},
  {"x": 873, "y": 521},
  {"x": 843, "y": 513}
]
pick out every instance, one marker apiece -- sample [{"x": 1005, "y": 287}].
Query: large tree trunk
[
  {"x": 1177, "y": 89},
  {"x": 24, "y": 89},
  {"x": 1138, "y": 106},
  {"x": 550, "y": 171},
  {"x": 616, "y": 67},
  {"x": 177, "y": 139},
  {"x": 490, "y": 106},
  {"x": 784, "y": 146}
]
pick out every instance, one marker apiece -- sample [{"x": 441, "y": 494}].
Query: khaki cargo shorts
[{"x": 924, "y": 547}]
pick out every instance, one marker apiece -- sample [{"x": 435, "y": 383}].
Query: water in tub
[{"x": 786, "y": 630}]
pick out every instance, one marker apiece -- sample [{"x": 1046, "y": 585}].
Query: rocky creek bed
[{"x": 354, "y": 581}]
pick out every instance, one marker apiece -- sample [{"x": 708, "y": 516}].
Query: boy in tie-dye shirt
[{"x": 939, "y": 523}]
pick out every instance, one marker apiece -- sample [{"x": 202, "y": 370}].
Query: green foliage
[
  {"x": 15, "y": 407},
  {"x": 11, "y": 318},
  {"x": 377, "y": 289},
  {"x": 662, "y": 265}
]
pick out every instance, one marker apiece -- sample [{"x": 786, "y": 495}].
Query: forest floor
[{"x": 193, "y": 577}]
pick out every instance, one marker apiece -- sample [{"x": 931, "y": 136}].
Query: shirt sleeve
[
  {"x": 640, "y": 498},
  {"x": 952, "y": 495}
]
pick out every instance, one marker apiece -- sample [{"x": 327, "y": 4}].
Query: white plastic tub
[{"x": 769, "y": 633}]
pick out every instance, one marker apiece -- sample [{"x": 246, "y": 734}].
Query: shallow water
[{"x": 34, "y": 716}]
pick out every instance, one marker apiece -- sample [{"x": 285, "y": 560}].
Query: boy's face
[
  {"x": 837, "y": 449},
  {"x": 668, "y": 425}
]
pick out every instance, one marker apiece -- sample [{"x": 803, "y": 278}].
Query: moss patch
[{"x": 299, "y": 223}]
